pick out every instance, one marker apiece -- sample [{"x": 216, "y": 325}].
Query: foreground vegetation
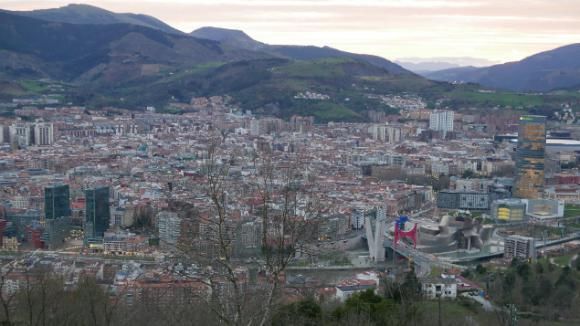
[{"x": 543, "y": 292}]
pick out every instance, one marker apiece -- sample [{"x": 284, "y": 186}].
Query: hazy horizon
[{"x": 395, "y": 29}]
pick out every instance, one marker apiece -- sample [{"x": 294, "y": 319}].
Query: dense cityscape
[
  {"x": 156, "y": 176},
  {"x": 126, "y": 198}
]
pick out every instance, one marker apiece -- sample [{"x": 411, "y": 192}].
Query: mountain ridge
[
  {"x": 296, "y": 52},
  {"x": 135, "y": 66},
  {"x": 65, "y": 51},
  {"x": 87, "y": 14},
  {"x": 554, "y": 69}
]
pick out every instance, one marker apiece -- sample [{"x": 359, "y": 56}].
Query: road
[
  {"x": 486, "y": 304},
  {"x": 77, "y": 257}
]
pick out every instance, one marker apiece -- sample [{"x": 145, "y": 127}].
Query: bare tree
[
  {"x": 7, "y": 295},
  {"x": 286, "y": 214},
  {"x": 284, "y": 231}
]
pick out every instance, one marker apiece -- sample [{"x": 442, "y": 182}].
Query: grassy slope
[
  {"x": 264, "y": 86},
  {"x": 571, "y": 210},
  {"x": 269, "y": 86}
]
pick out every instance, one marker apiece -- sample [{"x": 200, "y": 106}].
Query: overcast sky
[{"x": 500, "y": 30}]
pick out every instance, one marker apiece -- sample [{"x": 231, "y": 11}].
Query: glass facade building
[
  {"x": 530, "y": 157},
  {"x": 97, "y": 212},
  {"x": 57, "y": 202}
]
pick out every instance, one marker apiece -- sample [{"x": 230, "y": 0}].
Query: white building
[
  {"x": 519, "y": 247},
  {"x": 391, "y": 134},
  {"x": 43, "y": 134},
  {"x": 394, "y": 134},
  {"x": 444, "y": 287},
  {"x": 441, "y": 121},
  {"x": 362, "y": 282},
  {"x": 21, "y": 134},
  {"x": 254, "y": 127},
  {"x": 169, "y": 226}
]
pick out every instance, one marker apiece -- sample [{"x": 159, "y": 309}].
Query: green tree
[
  {"x": 539, "y": 268},
  {"x": 480, "y": 269},
  {"x": 544, "y": 288},
  {"x": 468, "y": 174},
  {"x": 566, "y": 279},
  {"x": 411, "y": 287},
  {"x": 466, "y": 273},
  {"x": 524, "y": 270},
  {"x": 508, "y": 282},
  {"x": 366, "y": 305},
  {"x": 306, "y": 312},
  {"x": 563, "y": 297}
]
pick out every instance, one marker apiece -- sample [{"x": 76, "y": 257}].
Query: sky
[{"x": 497, "y": 30}]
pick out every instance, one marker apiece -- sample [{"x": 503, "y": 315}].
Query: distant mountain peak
[
  {"x": 83, "y": 5},
  {"x": 221, "y": 33},
  {"x": 75, "y": 13},
  {"x": 545, "y": 71},
  {"x": 229, "y": 37}
]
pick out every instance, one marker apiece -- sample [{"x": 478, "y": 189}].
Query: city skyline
[{"x": 489, "y": 29}]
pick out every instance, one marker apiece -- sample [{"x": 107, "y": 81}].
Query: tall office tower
[
  {"x": 441, "y": 121},
  {"x": 2, "y": 137},
  {"x": 530, "y": 157},
  {"x": 57, "y": 202},
  {"x": 44, "y": 134},
  {"x": 97, "y": 212}
]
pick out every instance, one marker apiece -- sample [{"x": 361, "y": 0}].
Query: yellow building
[{"x": 508, "y": 210}]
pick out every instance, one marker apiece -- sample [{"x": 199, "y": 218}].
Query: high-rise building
[
  {"x": 530, "y": 157},
  {"x": 169, "y": 226},
  {"x": 3, "y": 138},
  {"x": 55, "y": 231},
  {"x": 251, "y": 235},
  {"x": 391, "y": 134},
  {"x": 21, "y": 134},
  {"x": 97, "y": 212},
  {"x": 57, "y": 202},
  {"x": 44, "y": 134},
  {"x": 441, "y": 121},
  {"x": 394, "y": 134}
]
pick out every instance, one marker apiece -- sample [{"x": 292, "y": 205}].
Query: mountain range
[
  {"x": 424, "y": 66},
  {"x": 239, "y": 39},
  {"x": 550, "y": 70},
  {"x": 117, "y": 59},
  {"x": 135, "y": 60}
]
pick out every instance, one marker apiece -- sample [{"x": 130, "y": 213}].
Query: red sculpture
[{"x": 411, "y": 234}]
